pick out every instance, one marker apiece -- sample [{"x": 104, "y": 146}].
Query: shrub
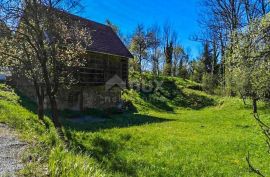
[{"x": 208, "y": 83}]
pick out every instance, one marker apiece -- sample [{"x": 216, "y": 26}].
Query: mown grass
[
  {"x": 209, "y": 142},
  {"x": 177, "y": 131}
]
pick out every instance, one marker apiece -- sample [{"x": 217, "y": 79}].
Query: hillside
[{"x": 176, "y": 131}]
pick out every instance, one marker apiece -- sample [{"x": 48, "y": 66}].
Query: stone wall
[
  {"x": 76, "y": 98},
  {"x": 25, "y": 87},
  {"x": 89, "y": 97},
  {"x": 98, "y": 97}
]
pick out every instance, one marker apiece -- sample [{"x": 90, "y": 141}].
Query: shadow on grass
[
  {"x": 26, "y": 102},
  {"x": 115, "y": 121},
  {"x": 155, "y": 102},
  {"x": 105, "y": 151},
  {"x": 171, "y": 93},
  {"x": 194, "y": 101},
  {"x": 108, "y": 150},
  {"x": 111, "y": 120},
  {"x": 30, "y": 105}
]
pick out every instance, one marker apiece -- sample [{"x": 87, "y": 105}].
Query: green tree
[
  {"x": 197, "y": 70},
  {"x": 249, "y": 68},
  {"x": 207, "y": 58},
  {"x": 169, "y": 40},
  {"x": 168, "y": 51},
  {"x": 140, "y": 43},
  {"x": 180, "y": 62}
]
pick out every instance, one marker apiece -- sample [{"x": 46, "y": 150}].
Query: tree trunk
[
  {"x": 52, "y": 99},
  {"x": 255, "y": 107},
  {"x": 140, "y": 71},
  {"x": 41, "y": 108},
  {"x": 55, "y": 117},
  {"x": 54, "y": 110},
  {"x": 40, "y": 99},
  {"x": 154, "y": 66},
  {"x": 81, "y": 100},
  {"x": 243, "y": 98}
]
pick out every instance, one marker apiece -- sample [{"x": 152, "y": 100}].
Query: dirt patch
[{"x": 10, "y": 150}]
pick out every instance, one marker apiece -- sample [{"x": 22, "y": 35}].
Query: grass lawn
[
  {"x": 183, "y": 132},
  {"x": 180, "y": 133},
  {"x": 213, "y": 141}
]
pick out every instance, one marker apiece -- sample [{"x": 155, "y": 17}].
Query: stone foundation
[
  {"x": 77, "y": 99},
  {"x": 89, "y": 97}
]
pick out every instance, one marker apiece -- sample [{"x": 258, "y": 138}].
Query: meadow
[{"x": 177, "y": 131}]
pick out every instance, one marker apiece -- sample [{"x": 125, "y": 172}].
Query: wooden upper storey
[{"x": 100, "y": 68}]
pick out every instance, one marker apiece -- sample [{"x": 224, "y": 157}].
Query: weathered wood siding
[{"x": 101, "y": 67}]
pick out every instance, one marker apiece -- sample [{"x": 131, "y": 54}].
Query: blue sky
[{"x": 126, "y": 14}]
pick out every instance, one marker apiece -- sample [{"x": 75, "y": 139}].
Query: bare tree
[
  {"x": 141, "y": 42},
  {"x": 155, "y": 48},
  {"x": 139, "y": 45}
]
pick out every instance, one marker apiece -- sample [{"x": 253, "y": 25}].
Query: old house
[{"x": 102, "y": 78}]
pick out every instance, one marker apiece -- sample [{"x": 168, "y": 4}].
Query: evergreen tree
[
  {"x": 207, "y": 58},
  {"x": 168, "y": 51}
]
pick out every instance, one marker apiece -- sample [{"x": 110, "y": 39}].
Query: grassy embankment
[
  {"x": 46, "y": 154},
  {"x": 177, "y": 131}
]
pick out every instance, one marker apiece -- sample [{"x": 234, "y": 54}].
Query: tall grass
[{"x": 46, "y": 155}]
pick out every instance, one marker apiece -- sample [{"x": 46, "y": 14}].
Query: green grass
[
  {"x": 46, "y": 154},
  {"x": 177, "y": 131},
  {"x": 209, "y": 142}
]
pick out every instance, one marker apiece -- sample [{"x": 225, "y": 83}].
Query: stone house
[{"x": 103, "y": 77}]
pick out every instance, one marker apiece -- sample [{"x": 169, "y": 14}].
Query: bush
[
  {"x": 183, "y": 73},
  {"x": 208, "y": 83}
]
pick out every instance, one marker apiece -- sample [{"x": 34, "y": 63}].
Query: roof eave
[{"x": 130, "y": 56}]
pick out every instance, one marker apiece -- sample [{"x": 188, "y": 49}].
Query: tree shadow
[
  {"x": 30, "y": 105},
  {"x": 171, "y": 92},
  {"x": 155, "y": 102},
  {"x": 26, "y": 102},
  {"x": 128, "y": 119},
  {"x": 194, "y": 101},
  {"x": 106, "y": 150}
]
